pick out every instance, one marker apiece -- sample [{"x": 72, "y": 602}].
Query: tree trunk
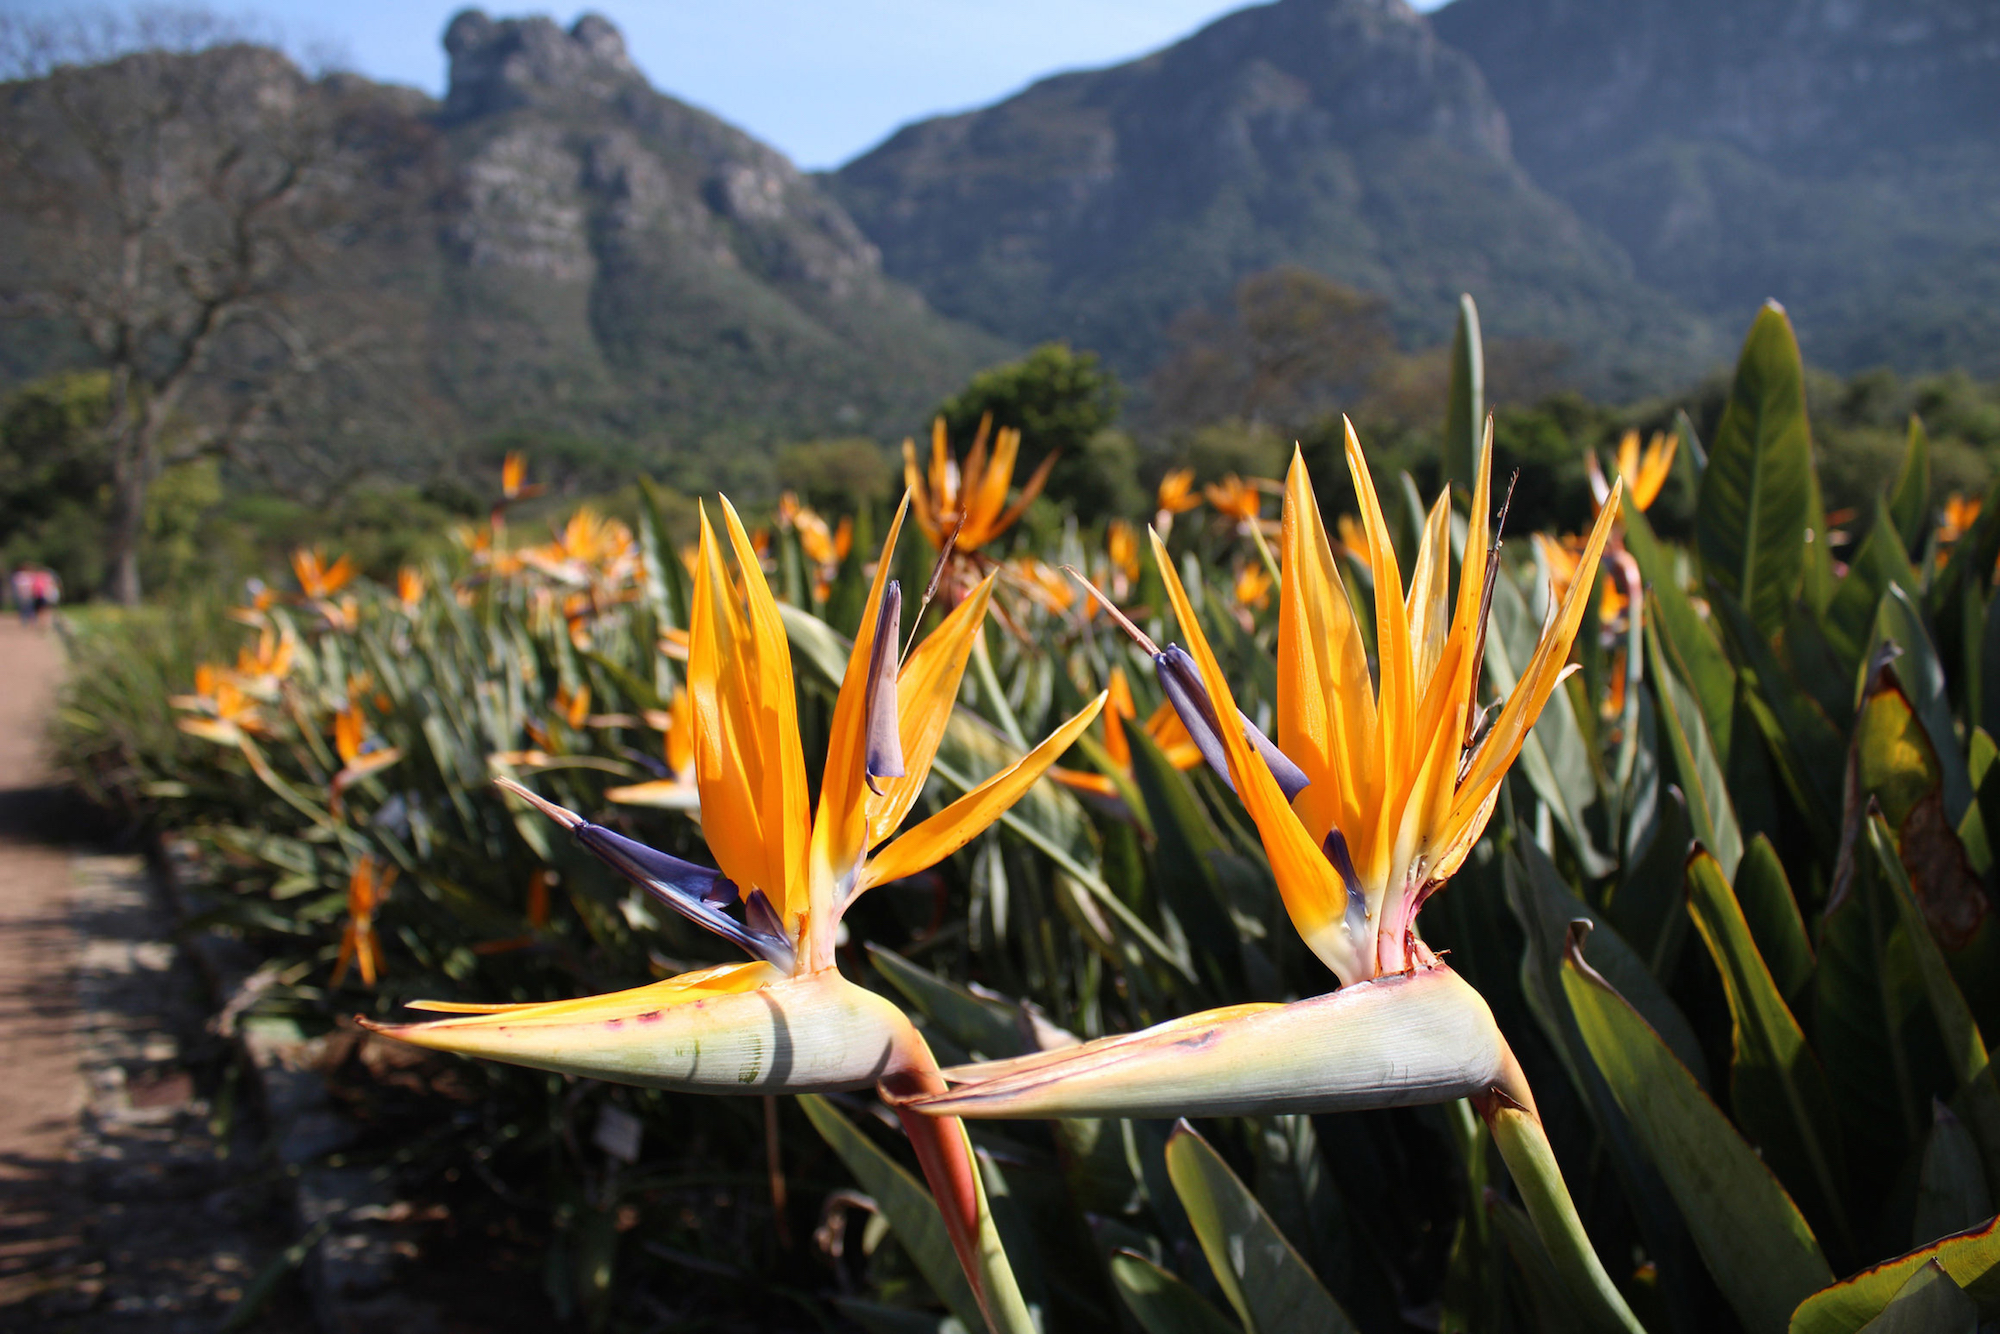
[{"x": 128, "y": 521}]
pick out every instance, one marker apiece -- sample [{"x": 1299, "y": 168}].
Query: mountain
[
  {"x": 665, "y": 263},
  {"x": 1340, "y": 135},
  {"x": 1841, "y": 155},
  {"x": 556, "y": 248}
]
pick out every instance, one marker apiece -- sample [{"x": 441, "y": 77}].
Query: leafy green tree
[
  {"x": 1062, "y": 401},
  {"x": 54, "y": 477}
]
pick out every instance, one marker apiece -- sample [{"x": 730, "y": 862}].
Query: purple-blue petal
[
  {"x": 882, "y": 726},
  {"x": 1181, "y": 680},
  {"x": 701, "y": 894}
]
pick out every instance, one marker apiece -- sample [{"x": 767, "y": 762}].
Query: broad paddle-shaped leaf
[
  {"x": 1752, "y": 1237},
  {"x": 1757, "y": 494}
]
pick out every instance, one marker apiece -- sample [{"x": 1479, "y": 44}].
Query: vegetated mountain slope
[
  {"x": 614, "y": 254},
  {"x": 1840, "y": 155},
  {"x": 1336, "y": 134},
  {"x": 559, "y": 247}
]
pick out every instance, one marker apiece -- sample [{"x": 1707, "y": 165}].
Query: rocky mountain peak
[{"x": 500, "y": 64}]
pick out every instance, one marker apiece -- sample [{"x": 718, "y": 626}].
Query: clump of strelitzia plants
[
  {"x": 786, "y": 1021},
  {"x": 1367, "y": 803}
]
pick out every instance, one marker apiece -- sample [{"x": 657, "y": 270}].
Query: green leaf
[
  {"x": 1880, "y": 564},
  {"x": 987, "y": 1028},
  {"x": 1981, "y": 754},
  {"x": 1646, "y": 906},
  {"x": 1810, "y": 658},
  {"x": 1690, "y": 640},
  {"x": 1871, "y": 1026},
  {"x": 1545, "y": 920},
  {"x": 1930, "y": 1303},
  {"x": 1050, "y": 819},
  {"x": 1465, "y": 409},
  {"x": 1185, "y": 852},
  {"x": 1772, "y": 913},
  {"x": 1922, "y": 676},
  {"x": 1297, "y": 1190},
  {"x": 1161, "y": 1303},
  {"x": 1271, "y": 1288},
  {"x": 1552, "y": 911},
  {"x": 1757, "y": 493},
  {"x": 1776, "y": 1086},
  {"x": 1910, "y": 499},
  {"x": 1807, "y": 749},
  {"x": 912, "y": 1213},
  {"x": 636, "y": 690},
  {"x": 1964, "y": 1047},
  {"x": 1971, "y": 1260},
  {"x": 665, "y": 562},
  {"x": 822, "y": 647},
  {"x": 1951, "y": 1185},
  {"x": 1695, "y": 760},
  {"x": 1752, "y": 1237},
  {"x": 1554, "y": 759}
]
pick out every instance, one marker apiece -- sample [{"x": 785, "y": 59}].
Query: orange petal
[
  {"x": 782, "y": 790},
  {"x": 1118, "y": 692},
  {"x": 1544, "y": 669},
  {"x": 1313, "y": 891},
  {"x": 965, "y": 819},
  {"x": 1628, "y": 457},
  {"x": 926, "y": 691},
  {"x": 840, "y": 830},
  {"x": 725, "y": 752},
  {"x": 1654, "y": 466},
  {"x": 1397, "y": 704},
  {"x": 1326, "y": 698},
  {"x": 666, "y": 794},
  {"x": 1430, "y": 584},
  {"x": 918, "y": 495}
]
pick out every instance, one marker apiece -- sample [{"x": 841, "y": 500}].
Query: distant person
[
  {"x": 48, "y": 591},
  {"x": 23, "y": 585}
]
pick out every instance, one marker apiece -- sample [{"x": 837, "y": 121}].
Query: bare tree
[
  {"x": 1292, "y": 346},
  {"x": 171, "y": 213}
]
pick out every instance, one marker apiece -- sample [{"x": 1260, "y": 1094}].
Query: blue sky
[{"x": 820, "y": 81}]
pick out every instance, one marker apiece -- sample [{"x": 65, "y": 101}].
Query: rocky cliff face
[
  {"x": 1840, "y": 155},
  {"x": 1337, "y": 134},
  {"x": 657, "y": 261},
  {"x": 559, "y": 248},
  {"x": 570, "y": 158}
]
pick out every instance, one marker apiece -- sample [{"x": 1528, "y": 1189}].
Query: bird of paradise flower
[
  {"x": 1366, "y": 806},
  {"x": 970, "y": 499},
  {"x": 787, "y": 1021}
]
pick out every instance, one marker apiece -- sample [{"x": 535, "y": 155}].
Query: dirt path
[
  {"x": 129, "y": 1201},
  {"x": 41, "y": 1094}
]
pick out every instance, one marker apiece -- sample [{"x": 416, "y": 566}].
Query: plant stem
[
  {"x": 1524, "y": 1146},
  {"x": 944, "y": 1152}
]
